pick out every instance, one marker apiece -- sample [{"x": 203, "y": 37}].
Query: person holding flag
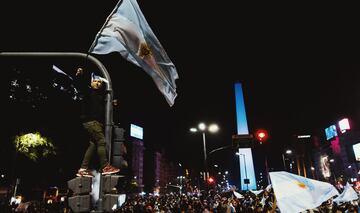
[{"x": 92, "y": 117}]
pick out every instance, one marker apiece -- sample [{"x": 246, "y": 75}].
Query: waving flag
[
  {"x": 347, "y": 195},
  {"x": 126, "y": 31},
  {"x": 238, "y": 195},
  {"x": 93, "y": 77},
  {"x": 296, "y": 193},
  {"x": 268, "y": 188},
  {"x": 58, "y": 70},
  {"x": 256, "y": 192}
]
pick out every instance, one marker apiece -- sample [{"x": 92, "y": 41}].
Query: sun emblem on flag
[
  {"x": 304, "y": 183},
  {"x": 301, "y": 184},
  {"x": 144, "y": 50}
]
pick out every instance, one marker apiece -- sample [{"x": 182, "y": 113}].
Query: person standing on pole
[{"x": 92, "y": 118}]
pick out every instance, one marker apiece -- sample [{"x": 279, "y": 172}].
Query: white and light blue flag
[
  {"x": 295, "y": 193},
  {"x": 349, "y": 194},
  {"x": 93, "y": 77},
  {"x": 256, "y": 192},
  {"x": 126, "y": 31},
  {"x": 268, "y": 188},
  {"x": 238, "y": 195},
  {"x": 58, "y": 70}
]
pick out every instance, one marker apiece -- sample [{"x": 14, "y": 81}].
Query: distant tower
[{"x": 247, "y": 172}]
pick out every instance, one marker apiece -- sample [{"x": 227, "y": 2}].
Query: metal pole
[
  {"x": 205, "y": 160},
  {"x": 247, "y": 185},
  {"x": 100, "y": 66},
  {"x": 283, "y": 158},
  {"x": 304, "y": 167},
  {"x": 16, "y": 186},
  {"x": 108, "y": 99},
  {"x": 298, "y": 164}
]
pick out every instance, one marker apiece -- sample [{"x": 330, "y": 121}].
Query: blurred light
[
  {"x": 261, "y": 135},
  {"x": 180, "y": 164},
  {"x": 226, "y": 172},
  {"x": 312, "y": 168},
  {"x": 202, "y": 126},
  {"x": 331, "y": 160},
  {"x": 216, "y": 166},
  {"x": 331, "y": 132},
  {"x": 303, "y": 136},
  {"x": 288, "y": 151},
  {"x": 349, "y": 167},
  {"x": 211, "y": 180},
  {"x": 193, "y": 130},
  {"x": 344, "y": 125},
  {"x": 2, "y": 176},
  {"x": 213, "y": 128}
]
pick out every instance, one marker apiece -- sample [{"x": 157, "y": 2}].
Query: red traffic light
[
  {"x": 210, "y": 180},
  {"x": 261, "y": 135}
]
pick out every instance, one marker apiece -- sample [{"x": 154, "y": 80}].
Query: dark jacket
[{"x": 92, "y": 101}]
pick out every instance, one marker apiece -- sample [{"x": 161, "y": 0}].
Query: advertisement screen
[
  {"x": 356, "y": 148},
  {"x": 325, "y": 166},
  {"x": 136, "y": 131},
  {"x": 330, "y": 132}
]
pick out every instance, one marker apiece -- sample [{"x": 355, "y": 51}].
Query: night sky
[{"x": 291, "y": 82}]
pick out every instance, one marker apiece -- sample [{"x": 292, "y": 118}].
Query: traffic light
[
  {"x": 211, "y": 180},
  {"x": 119, "y": 150},
  {"x": 80, "y": 203},
  {"x": 110, "y": 188},
  {"x": 80, "y": 185},
  {"x": 81, "y": 199},
  {"x": 261, "y": 135},
  {"x": 109, "y": 184}
]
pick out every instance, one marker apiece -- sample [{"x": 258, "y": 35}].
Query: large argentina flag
[
  {"x": 126, "y": 31},
  {"x": 295, "y": 193}
]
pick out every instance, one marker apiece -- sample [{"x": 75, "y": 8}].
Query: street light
[
  {"x": 332, "y": 167},
  {"x": 246, "y": 180},
  {"x": 203, "y": 128},
  {"x": 288, "y": 152}
]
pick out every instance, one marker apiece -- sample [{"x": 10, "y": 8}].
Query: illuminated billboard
[
  {"x": 330, "y": 132},
  {"x": 325, "y": 166},
  {"x": 356, "y": 148},
  {"x": 136, "y": 131},
  {"x": 344, "y": 125}
]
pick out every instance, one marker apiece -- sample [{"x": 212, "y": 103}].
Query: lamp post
[
  {"x": 332, "y": 167},
  {"x": 246, "y": 177},
  {"x": 283, "y": 158},
  {"x": 203, "y": 128}
]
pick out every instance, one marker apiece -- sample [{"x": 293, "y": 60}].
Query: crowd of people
[
  {"x": 215, "y": 201},
  {"x": 205, "y": 201}
]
